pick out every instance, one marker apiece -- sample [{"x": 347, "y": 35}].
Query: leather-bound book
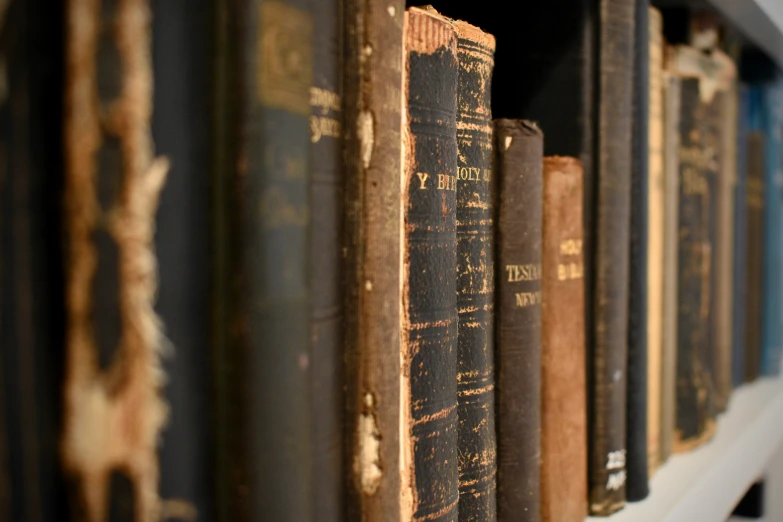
[
  {"x": 739, "y": 275},
  {"x": 32, "y": 318},
  {"x": 608, "y": 332},
  {"x": 636, "y": 406},
  {"x": 264, "y": 359},
  {"x": 754, "y": 197},
  {"x": 563, "y": 391},
  {"x": 655, "y": 239},
  {"x": 475, "y": 278},
  {"x": 429, "y": 459},
  {"x": 671, "y": 188},
  {"x": 326, "y": 243},
  {"x": 373, "y": 170},
  {"x": 519, "y": 153}
]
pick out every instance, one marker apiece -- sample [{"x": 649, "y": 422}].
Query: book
[
  {"x": 563, "y": 389},
  {"x": 519, "y": 153},
  {"x": 32, "y": 315},
  {"x": 326, "y": 244},
  {"x": 476, "y": 440},
  {"x": 754, "y": 276},
  {"x": 608, "y": 332},
  {"x": 655, "y": 239},
  {"x": 265, "y": 67},
  {"x": 429, "y": 461},
  {"x": 637, "y": 473},
  {"x": 373, "y": 264},
  {"x": 740, "y": 240}
]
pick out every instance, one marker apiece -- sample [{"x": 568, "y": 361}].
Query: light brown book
[{"x": 563, "y": 401}]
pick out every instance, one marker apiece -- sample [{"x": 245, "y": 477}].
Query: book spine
[
  {"x": 636, "y": 405},
  {"x": 114, "y": 337},
  {"x": 671, "y": 187},
  {"x": 373, "y": 107},
  {"x": 772, "y": 308},
  {"x": 519, "y": 153},
  {"x": 563, "y": 402},
  {"x": 655, "y": 238},
  {"x": 608, "y": 337},
  {"x": 326, "y": 242},
  {"x": 265, "y": 444},
  {"x": 694, "y": 267},
  {"x": 740, "y": 254},
  {"x": 429, "y": 257},
  {"x": 475, "y": 278},
  {"x": 711, "y": 129},
  {"x": 755, "y": 260}
]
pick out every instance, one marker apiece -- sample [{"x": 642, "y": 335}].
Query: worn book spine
[
  {"x": 372, "y": 115},
  {"x": 326, "y": 243},
  {"x": 655, "y": 239},
  {"x": 694, "y": 385},
  {"x": 519, "y": 153},
  {"x": 429, "y": 464},
  {"x": 265, "y": 445},
  {"x": 114, "y": 337},
  {"x": 31, "y": 261},
  {"x": 608, "y": 334},
  {"x": 671, "y": 188},
  {"x": 476, "y": 442},
  {"x": 754, "y": 198},
  {"x": 636, "y": 405},
  {"x": 563, "y": 390},
  {"x": 740, "y": 253}
]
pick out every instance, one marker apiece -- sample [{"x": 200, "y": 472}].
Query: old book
[
  {"x": 429, "y": 464},
  {"x": 655, "y": 239},
  {"x": 326, "y": 243},
  {"x": 519, "y": 153},
  {"x": 373, "y": 172},
  {"x": 636, "y": 405},
  {"x": 32, "y": 319},
  {"x": 608, "y": 333},
  {"x": 754, "y": 277},
  {"x": 739, "y": 274},
  {"x": 263, "y": 103},
  {"x": 476, "y": 442},
  {"x": 563, "y": 391},
  {"x": 671, "y": 188}
]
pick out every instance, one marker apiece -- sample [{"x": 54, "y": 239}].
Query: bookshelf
[{"x": 706, "y": 484}]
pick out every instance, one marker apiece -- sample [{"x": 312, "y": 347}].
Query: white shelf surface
[
  {"x": 760, "y": 20},
  {"x": 705, "y": 484}
]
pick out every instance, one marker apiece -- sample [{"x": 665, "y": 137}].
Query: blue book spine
[
  {"x": 772, "y": 334},
  {"x": 740, "y": 239}
]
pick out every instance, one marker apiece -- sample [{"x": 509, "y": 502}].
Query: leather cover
[
  {"x": 636, "y": 406},
  {"x": 372, "y": 90},
  {"x": 563, "y": 389},
  {"x": 519, "y": 150},
  {"x": 755, "y": 260},
  {"x": 429, "y": 295},
  {"x": 264, "y": 379},
  {"x": 655, "y": 239},
  {"x": 608, "y": 335},
  {"x": 475, "y": 278},
  {"x": 326, "y": 242},
  {"x": 31, "y": 262},
  {"x": 671, "y": 187},
  {"x": 740, "y": 291}
]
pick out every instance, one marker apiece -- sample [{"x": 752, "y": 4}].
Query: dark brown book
[
  {"x": 755, "y": 260},
  {"x": 373, "y": 170},
  {"x": 429, "y": 262},
  {"x": 475, "y": 278},
  {"x": 326, "y": 243},
  {"x": 519, "y": 151},
  {"x": 607, "y": 337},
  {"x": 563, "y": 391}
]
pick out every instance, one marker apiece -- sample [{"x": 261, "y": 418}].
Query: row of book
[{"x": 357, "y": 260}]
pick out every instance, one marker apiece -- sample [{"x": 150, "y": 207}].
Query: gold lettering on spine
[
  {"x": 422, "y": 179},
  {"x": 473, "y": 174},
  {"x": 525, "y": 299},
  {"x": 516, "y": 273},
  {"x": 322, "y": 125}
]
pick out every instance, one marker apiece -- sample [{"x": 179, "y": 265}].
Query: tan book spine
[
  {"x": 563, "y": 401},
  {"x": 655, "y": 250}
]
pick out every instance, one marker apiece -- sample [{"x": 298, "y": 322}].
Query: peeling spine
[{"x": 112, "y": 418}]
